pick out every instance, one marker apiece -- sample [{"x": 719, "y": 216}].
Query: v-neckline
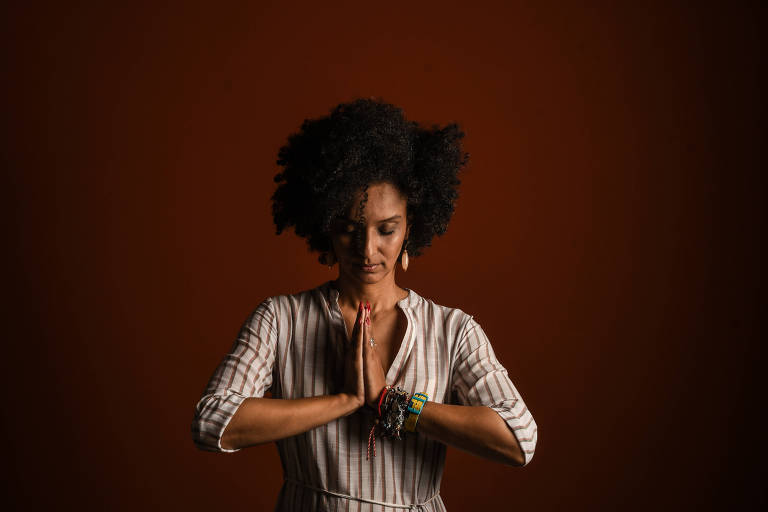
[{"x": 406, "y": 343}]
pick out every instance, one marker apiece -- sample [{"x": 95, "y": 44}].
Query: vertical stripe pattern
[{"x": 292, "y": 345}]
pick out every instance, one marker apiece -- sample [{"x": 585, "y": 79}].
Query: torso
[{"x": 296, "y": 344}]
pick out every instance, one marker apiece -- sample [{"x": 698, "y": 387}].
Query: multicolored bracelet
[
  {"x": 416, "y": 405},
  {"x": 396, "y": 414}
]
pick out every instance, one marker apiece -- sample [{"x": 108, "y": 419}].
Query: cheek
[{"x": 394, "y": 245}]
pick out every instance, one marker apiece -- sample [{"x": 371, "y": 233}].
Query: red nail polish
[{"x": 361, "y": 306}]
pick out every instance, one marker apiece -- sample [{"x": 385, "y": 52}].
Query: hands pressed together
[{"x": 364, "y": 377}]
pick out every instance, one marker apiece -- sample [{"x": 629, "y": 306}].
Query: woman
[{"x": 369, "y": 380}]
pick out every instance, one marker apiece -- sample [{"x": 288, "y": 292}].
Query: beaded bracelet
[
  {"x": 392, "y": 409},
  {"x": 393, "y": 413},
  {"x": 416, "y": 405},
  {"x": 381, "y": 398},
  {"x": 372, "y": 434}
]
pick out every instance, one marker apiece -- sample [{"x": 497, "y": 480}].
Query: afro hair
[{"x": 362, "y": 142}]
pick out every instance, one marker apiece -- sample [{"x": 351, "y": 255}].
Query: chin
[{"x": 367, "y": 277}]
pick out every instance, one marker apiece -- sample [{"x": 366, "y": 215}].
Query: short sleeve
[
  {"x": 479, "y": 379},
  {"x": 246, "y": 371}
]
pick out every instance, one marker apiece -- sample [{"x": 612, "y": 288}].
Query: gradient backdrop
[{"x": 607, "y": 236}]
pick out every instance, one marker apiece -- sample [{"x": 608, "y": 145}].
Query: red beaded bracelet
[
  {"x": 381, "y": 398},
  {"x": 372, "y": 434}
]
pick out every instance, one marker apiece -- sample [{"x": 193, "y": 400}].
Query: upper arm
[
  {"x": 480, "y": 379},
  {"x": 245, "y": 371}
]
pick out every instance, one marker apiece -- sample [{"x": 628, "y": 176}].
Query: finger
[
  {"x": 361, "y": 333},
  {"x": 367, "y": 335},
  {"x": 358, "y": 323},
  {"x": 359, "y": 358}
]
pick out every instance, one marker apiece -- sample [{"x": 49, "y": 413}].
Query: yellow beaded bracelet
[{"x": 417, "y": 404}]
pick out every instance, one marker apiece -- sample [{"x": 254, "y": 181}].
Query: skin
[{"x": 368, "y": 300}]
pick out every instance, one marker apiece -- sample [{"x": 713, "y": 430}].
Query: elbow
[
  {"x": 202, "y": 437},
  {"x": 513, "y": 456},
  {"x": 524, "y": 449},
  {"x": 526, "y": 436},
  {"x": 207, "y": 429},
  {"x": 516, "y": 460},
  {"x": 516, "y": 442},
  {"x": 228, "y": 441},
  {"x": 519, "y": 451},
  {"x": 507, "y": 451}
]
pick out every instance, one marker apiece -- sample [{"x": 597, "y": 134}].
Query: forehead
[{"x": 384, "y": 201}]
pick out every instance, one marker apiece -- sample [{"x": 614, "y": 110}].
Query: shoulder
[
  {"x": 289, "y": 305},
  {"x": 451, "y": 318},
  {"x": 278, "y": 314}
]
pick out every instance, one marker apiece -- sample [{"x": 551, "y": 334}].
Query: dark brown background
[{"x": 607, "y": 236}]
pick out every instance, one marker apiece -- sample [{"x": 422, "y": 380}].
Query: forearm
[
  {"x": 476, "y": 429},
  {"x": 262, "y": 420}
]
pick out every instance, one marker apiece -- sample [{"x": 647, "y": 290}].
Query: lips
[{"x": 369, "y": 268}]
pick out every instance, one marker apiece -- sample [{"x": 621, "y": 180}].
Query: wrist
[
  {"x": 349, "y": 403},
  {"x": 375, "y": 402},
  {"x": 416, "y": 404}
]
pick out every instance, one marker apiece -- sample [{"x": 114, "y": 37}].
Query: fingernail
[
  {"x": 361, "y": 306},
  {"x": 368, "y": 305}
]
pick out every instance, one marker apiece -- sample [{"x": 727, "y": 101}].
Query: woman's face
[{"x": 368, "y": 252}]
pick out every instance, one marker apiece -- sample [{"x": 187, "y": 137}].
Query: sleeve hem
[
  {"x": 207, "y": 433},
  {"x": 236, "y": 402},
  {"x": 527, "y": 445}
]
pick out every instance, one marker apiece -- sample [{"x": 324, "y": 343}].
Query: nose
[{"x": 367, "y": 245}]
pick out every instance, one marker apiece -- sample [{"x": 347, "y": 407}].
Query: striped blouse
[{"x": 293, "y": 346}]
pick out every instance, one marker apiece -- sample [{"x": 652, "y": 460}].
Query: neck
[{"x": 382, "y": 295}]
